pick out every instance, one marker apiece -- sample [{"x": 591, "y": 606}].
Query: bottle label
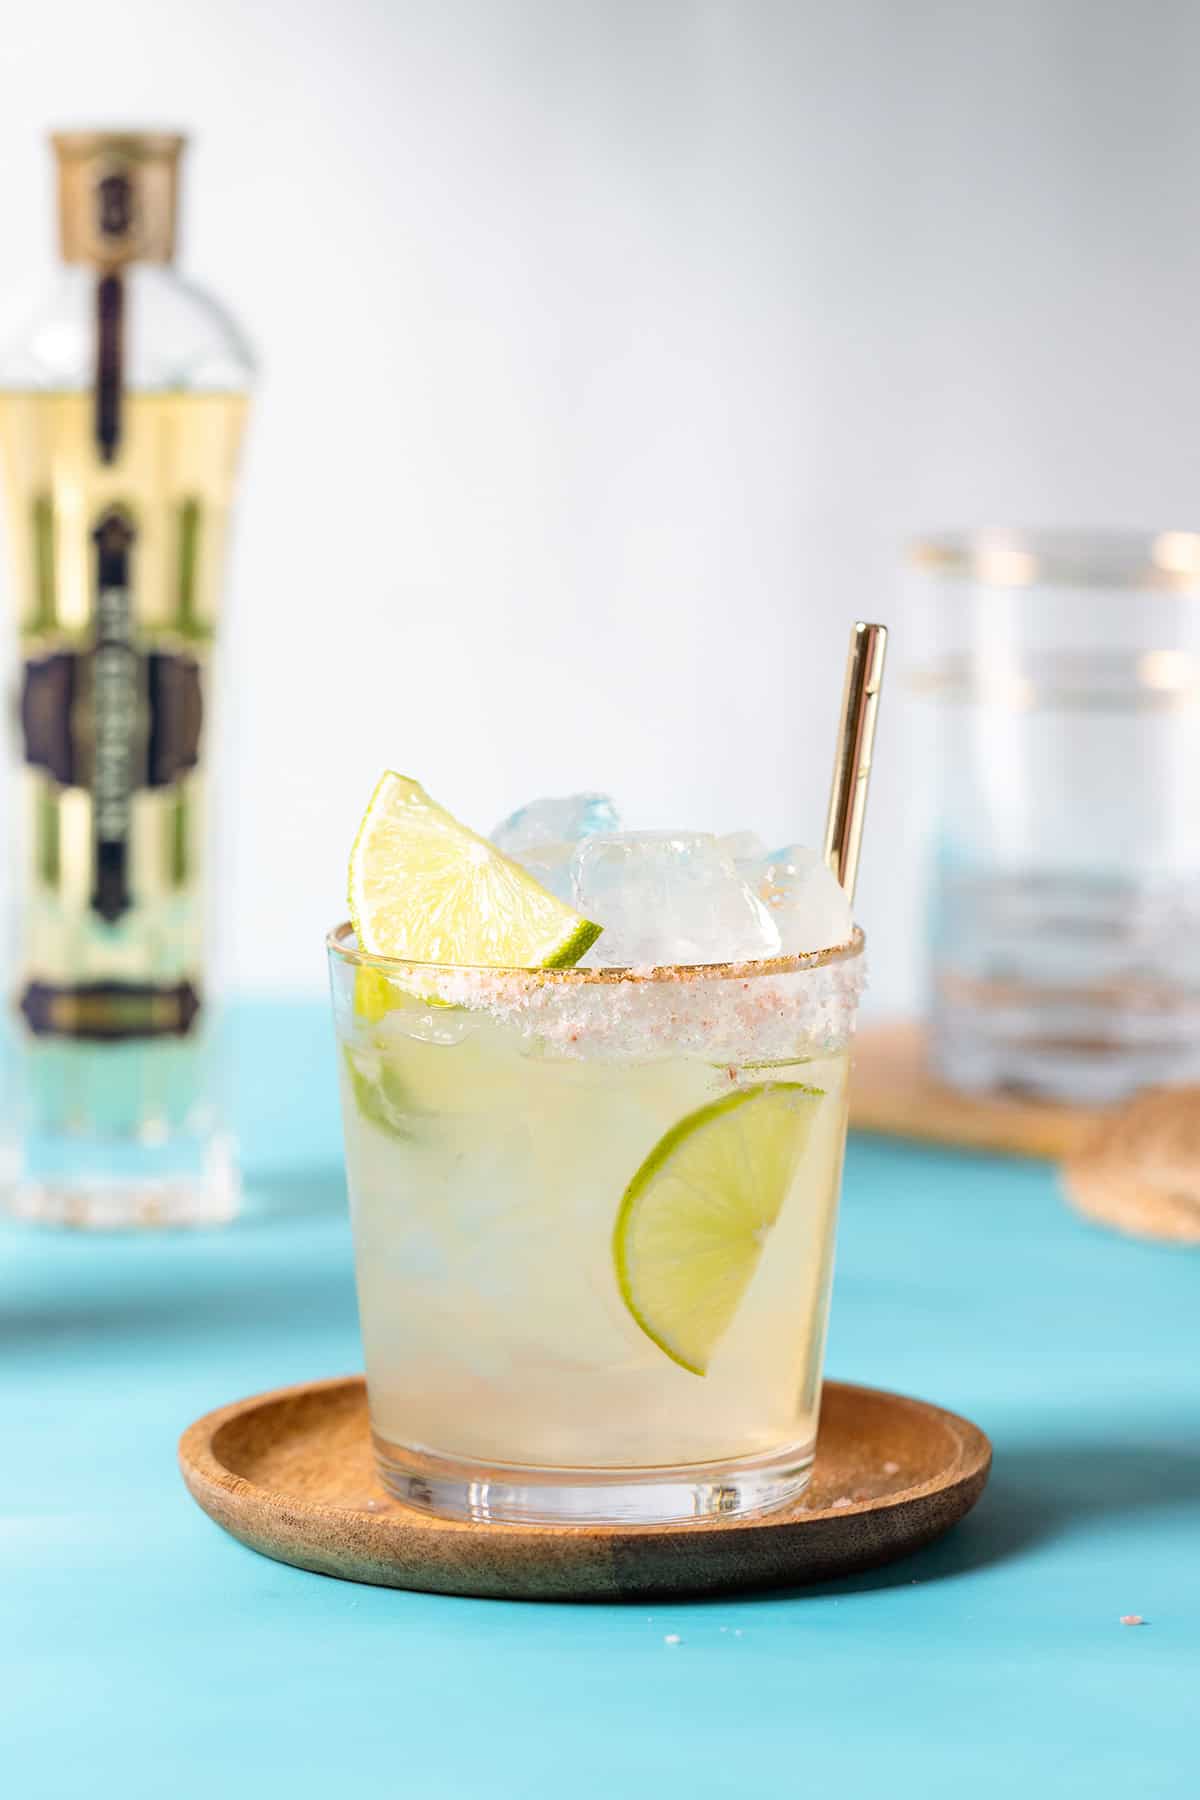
[
  {"x": 116, "y": 574},
  {"x": 168, "y": 745},
  {"x": 116, "y": 716},
  {"x": 115, "y": 214},
  {"x": 107, "y": 398},
  {"x": 103, "y": 1011},
  {"x": 112, "y": 718}
]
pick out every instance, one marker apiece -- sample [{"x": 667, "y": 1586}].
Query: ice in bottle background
[{"x": 122, "y": 406}]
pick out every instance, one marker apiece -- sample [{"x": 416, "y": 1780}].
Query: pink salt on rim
[{"x": 779, "y": 1010}]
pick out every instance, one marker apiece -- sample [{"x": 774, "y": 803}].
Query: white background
[{"x": 610, "y": 350}]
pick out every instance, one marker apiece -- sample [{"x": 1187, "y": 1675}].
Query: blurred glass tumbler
[
  {"x": 1062, "y": 675},
  {"x": 121, "y": 413}
]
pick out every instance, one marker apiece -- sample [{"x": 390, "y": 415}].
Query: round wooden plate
[{"x": 291, "y": 1474}]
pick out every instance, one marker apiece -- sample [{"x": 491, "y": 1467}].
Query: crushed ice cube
[
  {"x": 551, "y": 865},
  {"x": 742, "y": 847},
  {"x": 804, "y": 899},
  {"x": 669, "y": 897},
  {"x": 408, "y": 1017},
  {"x": 565, "y": 819}
]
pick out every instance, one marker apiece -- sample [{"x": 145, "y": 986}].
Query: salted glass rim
[
  {"x": 1015, "y": 557},
  {"x": 337, "y": 945}
]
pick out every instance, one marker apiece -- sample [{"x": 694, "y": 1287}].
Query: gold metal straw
[{"x": 852, "y": 765}]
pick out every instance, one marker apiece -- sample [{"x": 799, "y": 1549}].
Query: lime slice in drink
[
  {"x": 425, "y": 889},
  {"x": 379, "y": 1092},
  {"x": 374, "y": 996},
  {"x": 695, "y": 1217}
]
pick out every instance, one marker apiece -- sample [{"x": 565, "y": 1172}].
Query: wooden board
[
  {"x": 894, "y": 1093},
  {"x": 291, "y": 1475}
]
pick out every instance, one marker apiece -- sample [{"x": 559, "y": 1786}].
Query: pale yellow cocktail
[{"x": 594, "y": 1225}]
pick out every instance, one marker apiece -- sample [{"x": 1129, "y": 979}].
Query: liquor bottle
[{"x": 122, "y": 407}]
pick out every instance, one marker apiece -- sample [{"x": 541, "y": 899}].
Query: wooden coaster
[
  {"x": 291, "y": 1474},
  {"x": 893, "y": 1092},
  {"x": 1139, "y": 1170}
]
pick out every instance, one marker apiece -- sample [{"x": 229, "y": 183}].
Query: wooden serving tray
[
  {"x": 291, "y": 1475},
  {"x": 893, "y": 1092}
]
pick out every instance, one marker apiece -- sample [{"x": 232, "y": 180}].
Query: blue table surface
[{"x": 144, "y": 1653}]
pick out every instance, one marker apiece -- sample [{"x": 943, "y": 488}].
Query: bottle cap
[{"x": 117, "y": 196}]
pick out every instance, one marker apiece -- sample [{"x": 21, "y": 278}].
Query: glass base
[
  {"x": 208, "y": 1193},
  {"x": 108, "y": 1136},
  {"x": 647, "y": 1496}
]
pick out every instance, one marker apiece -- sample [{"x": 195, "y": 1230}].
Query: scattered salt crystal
[
  {"x": 891, "y": 1468},
  {"x": 672, "y": 1637},
  {"x": 1132, "y": 1619}
]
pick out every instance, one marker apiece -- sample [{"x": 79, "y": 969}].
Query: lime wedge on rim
[
  {"x": 426, "y": 889},
  {"x": 695, "y": 1217}
]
